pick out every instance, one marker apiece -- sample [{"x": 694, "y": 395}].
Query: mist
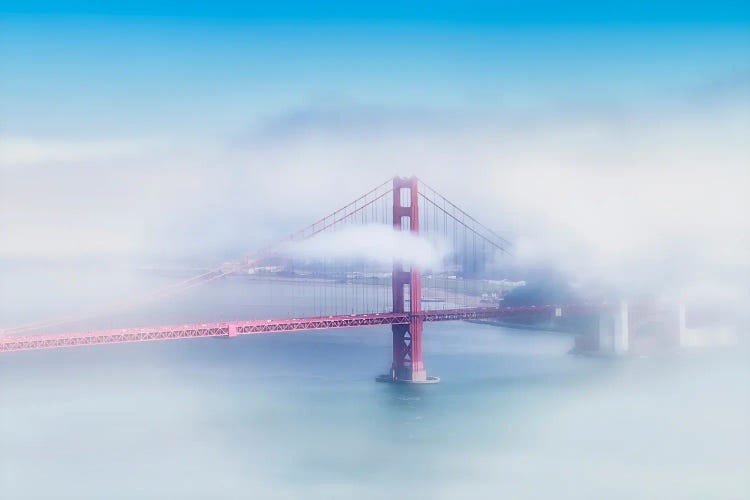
[
  {"x": 376, "y": 243},
  {"x": 641, "y": 199}
]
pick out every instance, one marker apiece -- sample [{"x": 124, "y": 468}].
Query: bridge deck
[{"x": 231, "y": 329}]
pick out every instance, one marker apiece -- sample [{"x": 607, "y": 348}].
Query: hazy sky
[
  {"x": 610, "y": 138},
  {"x": 134, "y": 69}
]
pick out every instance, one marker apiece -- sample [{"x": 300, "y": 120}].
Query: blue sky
[
  {"x": 95, "y": 69},
  {"x": 482, "y": 12}
]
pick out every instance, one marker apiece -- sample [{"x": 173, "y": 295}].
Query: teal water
[{"x": 300, "y": 416}]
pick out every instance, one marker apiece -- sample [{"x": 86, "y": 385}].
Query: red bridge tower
[{"x": 407, "y": 366}]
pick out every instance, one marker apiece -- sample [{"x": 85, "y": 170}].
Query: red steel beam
[{"x": 231, "y": 329}]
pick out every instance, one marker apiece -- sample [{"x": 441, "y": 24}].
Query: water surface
[{"x": 300, "y": 416}]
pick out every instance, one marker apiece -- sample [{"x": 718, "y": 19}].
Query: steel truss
[{"x": 232, "y": 329}]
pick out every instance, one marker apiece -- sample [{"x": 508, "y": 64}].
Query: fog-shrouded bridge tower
[{"x": 407, "y": 366}]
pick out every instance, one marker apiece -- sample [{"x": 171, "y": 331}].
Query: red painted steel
[
  {"x": 407, "y": 362},
  {"x": 232, "y": 329}
]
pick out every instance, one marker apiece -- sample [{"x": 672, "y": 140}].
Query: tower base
[{"x": 419, "y": 379}]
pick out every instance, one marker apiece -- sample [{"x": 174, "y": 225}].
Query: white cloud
[
  {"x": 636, "y": 199},
  {"x": 25, "y": 151},
  {"x": 375, "y": 243}
]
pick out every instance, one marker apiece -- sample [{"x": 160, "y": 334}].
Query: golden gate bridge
[{"x": 432, "y": 265}]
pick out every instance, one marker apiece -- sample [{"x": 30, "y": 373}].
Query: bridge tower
[
  {"x": 407, "y": 365},
  {"x": 614, "y": 330}
]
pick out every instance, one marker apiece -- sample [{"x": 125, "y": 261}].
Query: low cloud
[
  {"x": 642, "y": 199},
  {"x": 375, "y": 243},
  {"x": 348, "y": 119},
  {"x": 26, "y": 151}
]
